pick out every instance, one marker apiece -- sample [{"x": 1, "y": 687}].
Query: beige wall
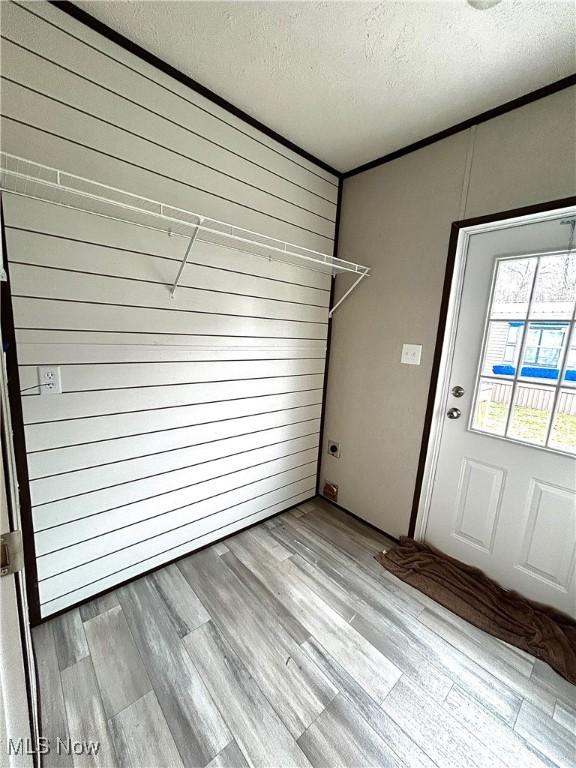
[{"x": 397, "y": 219}]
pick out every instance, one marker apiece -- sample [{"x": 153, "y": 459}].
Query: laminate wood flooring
[{"x": 289, "y": 645}]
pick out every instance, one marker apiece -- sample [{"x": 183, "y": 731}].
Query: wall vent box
[{"x": 330, "y": 491}]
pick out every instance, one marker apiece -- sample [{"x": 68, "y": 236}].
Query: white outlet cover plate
[
  {"x": 49, "y": 379},
  {"x": 411, "y": 354}
]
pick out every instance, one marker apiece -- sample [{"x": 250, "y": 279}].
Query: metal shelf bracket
[
  {"x": 185, "y": 259},
  {"x": 364, "y": 274}
]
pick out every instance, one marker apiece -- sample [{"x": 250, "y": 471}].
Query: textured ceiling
[{"x": 350, "y": 81}]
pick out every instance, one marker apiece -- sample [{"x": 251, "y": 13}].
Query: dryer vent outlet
[{"x": 330, "y": 491}]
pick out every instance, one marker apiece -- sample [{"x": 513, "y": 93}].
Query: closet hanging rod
[{"x": 57, "y": 181}]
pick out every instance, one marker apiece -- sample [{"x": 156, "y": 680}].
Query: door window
[{"x": 526, "y": 387}]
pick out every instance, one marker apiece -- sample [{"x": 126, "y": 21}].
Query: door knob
[
  {"x": 457, "y": 391},
  {"x": 454, "y": 413}
]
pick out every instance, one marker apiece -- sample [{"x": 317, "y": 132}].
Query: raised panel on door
[
  {"x": 478, "y": 503},
  {"x": 548, "y": 548}
]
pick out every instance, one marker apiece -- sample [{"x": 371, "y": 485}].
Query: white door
[{"x": 502, "y": 476}]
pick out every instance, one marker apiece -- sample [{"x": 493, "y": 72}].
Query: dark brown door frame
[{"x": 446, "y": 291}]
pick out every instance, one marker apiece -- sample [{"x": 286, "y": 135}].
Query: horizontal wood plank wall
[{"x": 180, "y": 420}]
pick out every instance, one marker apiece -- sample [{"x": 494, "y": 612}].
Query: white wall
[
  {"x": 180, "y": 421},
  {"x": 397, "y": 219}
]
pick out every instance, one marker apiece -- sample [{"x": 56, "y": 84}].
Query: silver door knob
[
  {"x": 457, "y": 391},
  {"x": 454, "y": 413}
]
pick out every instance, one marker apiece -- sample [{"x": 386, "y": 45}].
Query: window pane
[
  {"x": 503, "y": 346},
  {"x": 563, "y": 433},
  {"x": 531, "y": 413},
  {"x": 512, "y": 288},
  {"x": 542, "y": 358},
  {"x": 570, "y": 375},
  {"x": 492, "y": 404},
  {"x": 529, "y": 341},
  {"x": 555, "y": 288}
]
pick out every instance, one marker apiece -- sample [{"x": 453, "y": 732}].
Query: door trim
[{"x": 445, "y": 339}]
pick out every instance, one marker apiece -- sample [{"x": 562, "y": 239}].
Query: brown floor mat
[{"x": 468, "y": 592}]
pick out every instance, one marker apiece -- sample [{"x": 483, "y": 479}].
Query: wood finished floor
[{"x": 288, "y": 645}]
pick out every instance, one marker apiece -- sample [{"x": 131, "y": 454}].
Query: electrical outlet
[
  {"x": 49, "y": 380},
  {"x": 334, "y": 449}
]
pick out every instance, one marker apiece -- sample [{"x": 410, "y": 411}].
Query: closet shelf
[{"x": 26, "y": 178}]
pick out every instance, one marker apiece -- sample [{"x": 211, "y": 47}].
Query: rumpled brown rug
[{"x": 468, "y": 592}]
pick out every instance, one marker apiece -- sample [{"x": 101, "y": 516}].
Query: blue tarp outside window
[{"x": 542, "y": 352}]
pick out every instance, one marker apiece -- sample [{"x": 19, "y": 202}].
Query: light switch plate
[
  {"x": 49, "y": 380},
  {"x": 411, "y": 354}
]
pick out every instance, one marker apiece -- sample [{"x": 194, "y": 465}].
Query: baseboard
[
  {"x": 357, "y": 517},
  {"x": 205, "y": 546},
  {"x": 163, "y": 565}
]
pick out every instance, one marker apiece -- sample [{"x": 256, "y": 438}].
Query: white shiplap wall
[{"x": 180, "y": 421}]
